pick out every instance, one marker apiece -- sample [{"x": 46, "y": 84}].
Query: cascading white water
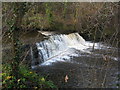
[
  {"x": 57, "y": 44},
  {"x": 61, "y": 47}
]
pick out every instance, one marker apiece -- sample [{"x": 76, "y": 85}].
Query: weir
[{"x": 56, "y": 46}]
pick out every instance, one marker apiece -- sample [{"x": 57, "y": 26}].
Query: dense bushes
[
  {"x": 27, "y": 79},
  {"x": 84, "y": 18}
]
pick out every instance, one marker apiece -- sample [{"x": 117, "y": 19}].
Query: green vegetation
[
  {"x": 49, "y": 14},
  {"x": 26, "y": 79},
  {"x": 67, "y": 17},
  {"x": 16, "y": 75}
]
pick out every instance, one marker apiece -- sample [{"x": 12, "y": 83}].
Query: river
[
  {"x": 70, "y": 61},
  {"x": 83, "y": 64}
]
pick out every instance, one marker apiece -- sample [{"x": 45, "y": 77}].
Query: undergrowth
[{"x": 27, "y": 79}]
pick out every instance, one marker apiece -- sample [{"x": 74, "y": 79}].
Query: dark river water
[{"x": 83, "y": 72}]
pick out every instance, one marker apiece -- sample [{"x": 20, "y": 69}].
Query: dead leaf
[{"x": 66, "y": 78}]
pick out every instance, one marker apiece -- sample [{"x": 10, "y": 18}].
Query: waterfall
[{"x": 56, "y": 46}]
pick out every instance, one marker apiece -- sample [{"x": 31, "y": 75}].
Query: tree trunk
[{"x": 19, "y": 12}]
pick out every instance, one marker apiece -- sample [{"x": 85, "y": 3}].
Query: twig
[{"x": 24, "y": 57}]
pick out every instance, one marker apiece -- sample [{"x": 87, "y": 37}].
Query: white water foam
[{"x": 61, "y": 48}]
